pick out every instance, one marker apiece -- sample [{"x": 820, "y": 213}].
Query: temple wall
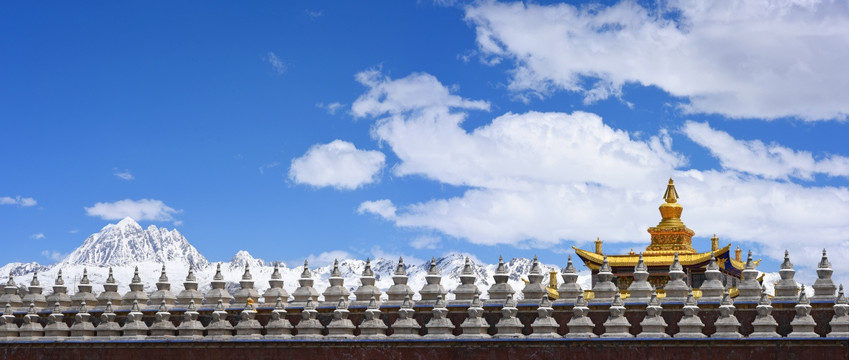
[
  {"x": 822, "y": 313},
  {"x": 821, "y": 349}
]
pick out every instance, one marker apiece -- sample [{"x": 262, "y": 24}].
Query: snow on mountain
[
  {"x": 18, "y": 268},
  {"x": 126, "y": 243},
  {"x": 450, "y": 268},
  {"x": 243, "y": 257}
]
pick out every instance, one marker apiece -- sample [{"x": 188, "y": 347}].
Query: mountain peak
[
  {"x": 127, "y": 243},
  {"x": 243, "y": 257},
  {"x": 128, "y": 222}
]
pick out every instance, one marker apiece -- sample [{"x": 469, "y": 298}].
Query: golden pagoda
[{"x": 668, "y": 238}]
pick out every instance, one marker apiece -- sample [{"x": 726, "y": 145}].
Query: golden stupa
[{"x": 669, "y": 237}]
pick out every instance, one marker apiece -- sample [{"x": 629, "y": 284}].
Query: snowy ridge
[
  {"x": 126, "y": 243},
  {"x": 243, "y": 258},
  {"x": 18, "y": 268},
  {"x": 450, "y": 267}
]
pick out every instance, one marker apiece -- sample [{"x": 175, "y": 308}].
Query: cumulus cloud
[
  {"x": 772, "y": 161},
  {"x": 417, "y": 92},
  {"x": 741, "y": 59},
  {"x": 276, "y": 63},
  {"x": 338, "y": 164},
  {"x": 140, "y": 210},
  {"x": 125, "y": 174},
  {"x": 18, "y": 200},
  {"x": 383, "y": 208},
  {"x": 37, "y": 236},
  {"x": 539, "y": 179},
  {"x": 514, "y": 151}
]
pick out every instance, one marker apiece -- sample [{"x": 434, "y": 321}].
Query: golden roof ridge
[{"x": 650, "y": 260}]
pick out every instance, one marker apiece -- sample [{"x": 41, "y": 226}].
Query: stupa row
[
  {"x": 109, "y": 315},
  {"x": 674, "y": 291},
  {"x": 372, "y": 325}
]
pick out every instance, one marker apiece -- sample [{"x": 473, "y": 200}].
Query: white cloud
[
  {"x": 417, "y": 92},
  {"x": 18, "y": 200},
  {"x": 331, "y": 108},
  {"x": 37, "y": 236},
  {"x": 126, "y": 175},
  {"x": 325, "y": 258},
  {"x": 539, "y": 179},
  {"x": 53, "y": 255},
  {"x": 771, "y": 161},
  {"x": 515, "y": 150},
  {"x": 426, "y": 242},
  {"x": 272, "y": 165},
  {"x": 73, "y": 231},
  {"x": 338, "y": 164},
  {"x": 139, "y": 210},
  {"x": 762, "y": 59},
  {"x": 383, "y": 207},
  {"x": 276, "y": 63}
]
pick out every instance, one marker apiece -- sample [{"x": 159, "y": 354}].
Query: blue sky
[{"x": 382, "y": 128}]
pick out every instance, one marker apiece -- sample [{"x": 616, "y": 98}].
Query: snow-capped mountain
[
  {"x": 18, "y": 268},
  {"x": 243, "y": 258},
  {"x": 126, "y": 243}
]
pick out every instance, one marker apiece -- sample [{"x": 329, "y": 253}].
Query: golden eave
[{"x": 594, "y": 260}]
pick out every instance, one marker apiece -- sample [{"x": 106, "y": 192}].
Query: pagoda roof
[{"x": 593, "y": 260}]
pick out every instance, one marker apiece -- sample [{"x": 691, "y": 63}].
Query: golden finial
[
  {"x": 598, "y": 245},
  {"x": 670, "y": 235},
  {"x": 671, "y": 195},
  {"x": 714, "y": 243},
  {"x": 670, "y": 211}
]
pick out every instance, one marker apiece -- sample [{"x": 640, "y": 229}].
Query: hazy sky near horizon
[{"x": 326, "y": 129}]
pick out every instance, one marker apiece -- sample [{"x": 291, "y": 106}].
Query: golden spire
[
  {"x": 671, "y": 210},
  {"x": 670, "y": 235},
  {"x": 671, "y": 195}
]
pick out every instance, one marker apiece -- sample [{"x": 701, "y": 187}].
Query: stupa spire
[
  {"x": 163, "y": 294},
  {"x": 275, "y": 290},
  {"x": 671, "y": 195},
  {"x": 501, "y": 290},
  {"x": 367, "y": 292},
  {"x": 306, "y": 291},
  {"x": 670, "y": 210},
  {"x": 336, "y": 291},
  {"x": 670, "y": 235}
]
